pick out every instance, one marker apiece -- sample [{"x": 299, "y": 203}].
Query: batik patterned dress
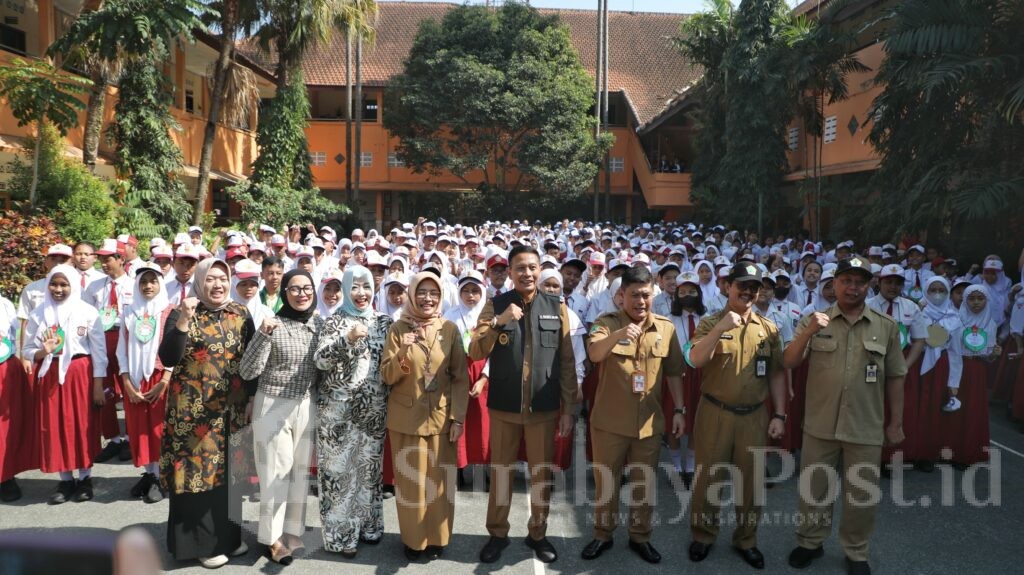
[{"x": 351, "y": 428}]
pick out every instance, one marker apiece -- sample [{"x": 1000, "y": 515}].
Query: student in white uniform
[
  {"x": 67, "y": 344},
  {"x": 667, "y": 282},
  {"x": 786, "y": 311},
  {"x": 572, "y": 275},
  {"x": 826, "y": 291},
  {"x": 34, "y": 294},
  {"x": 84, "y": 261},
  {"x": 246, "y": 291},
  {"x": 687, "y": 311},
  {"x": 806, "y": 292},
  {"x": 916, "y": 274},
  {"x": 185, "y": 260}
]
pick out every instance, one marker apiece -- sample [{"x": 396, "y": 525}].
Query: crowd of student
[{"x": 384, "y": 359}]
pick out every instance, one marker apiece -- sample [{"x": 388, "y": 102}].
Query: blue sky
[{"x": 678, "y": 6}]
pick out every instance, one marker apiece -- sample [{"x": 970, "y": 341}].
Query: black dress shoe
[
  {"x": 688, "y": 479},
  {"x": 65, "y": 490},
  {"x": 699, "y": 551},
  {"x": 752, "y": 556},
  {"x": 411, "y": 554},
  {"x": 434, "y": 552},
  {"x": 595, "y": 548},
  {"x": 125, "y": 454},
  {"x": 646, "y": 551},
  {"x": 83, "y": 491},
  {"x": 802, "y": 557},
  {"x": 543, "y": 549},
  {"x": 492, "y": 549},
  {"x": 142, "y": 487},
  {"x": 9, "y": 491},
  {"x": 110, "y": 451},
  {"x": 857, "y": 567},
  {"x": 388, "y": 492},
  {"x": 368, "y": 541}
]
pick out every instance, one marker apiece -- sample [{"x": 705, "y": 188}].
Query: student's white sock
[
  {"x": 117, "y": 440},
  {"x": 677, "y": 458},
  {"x": 85, "y": 473},
  {"x": 153, "y": 468},
  {"x": 66, "y": 476},
  {"x": 691, "y": 460}
]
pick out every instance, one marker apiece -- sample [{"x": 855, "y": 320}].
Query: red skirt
[
  {"x": 19, "y": 442},
  {"x": 69, "y": 431},
  {"x": 911, "y": 399},
  {"x": 387, "y": 467},
  {"x": 1007, "y": 374},
  {"x": 965, "y": 432},
  {"x": 793, "y": 440},
  {"x": 112, "y": 387},
  {"x": 1017, "y": 406},
  {"x": 475, "y": 443},
  {"x": 145, "y": 423},
  {"x": 930, "y": 417}
]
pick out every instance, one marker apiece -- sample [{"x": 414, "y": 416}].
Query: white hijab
[
  {"x": 322, "y": 307},
  {"x": 61, "y": 314},
  {"x": 463, "y": 316},
  {"x": 983, "y": 321},
  {"x": 945, "y": 316},
  {"x": 142, "y": 356}
]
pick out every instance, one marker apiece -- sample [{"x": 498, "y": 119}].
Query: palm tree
[
  {"x": 357, "y": 19},
  {"x": 233, "y": 91}
]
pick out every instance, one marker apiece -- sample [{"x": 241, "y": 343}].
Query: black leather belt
[{"x": 737, "y": 409}]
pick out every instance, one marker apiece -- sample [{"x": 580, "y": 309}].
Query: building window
[
  {"x": 617, "y": 165},
  {"x": 370, "y": 109},
  {"x": 394, "y": 161},
  {"x": 318, "y": 158},
  {"x": 830, "y": 129},
  {"x": 366, "y": 160},
  {"x": 12, "y": 39},
  {"x": 794, "y": 138},
  {"x": 190, "y": 101}
]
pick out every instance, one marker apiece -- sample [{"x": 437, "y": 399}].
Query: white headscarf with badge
[{"x": 142, "y": 327}]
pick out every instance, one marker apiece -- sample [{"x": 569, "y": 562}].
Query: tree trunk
[
  {"x": 348, "y": 114},
  {"x": 597, "y": 103},
  {"x": 35, "y": 162},
  {"x": 220, "y": 76},
  {"x": 604, "y": 113},
  {"x": 94, "y": 120},
  {"x": 359, "y": 121}
]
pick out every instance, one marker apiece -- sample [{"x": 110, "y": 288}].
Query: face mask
[
  {"x": 938, "y": 299},
  {"x": 689, "y": 301},
  {"x": 782, "y": 292}
]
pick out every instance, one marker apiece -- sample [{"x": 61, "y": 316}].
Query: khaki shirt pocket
[
  {"x": 403, "y": 399},
  {"x": 824, "y": 352}
]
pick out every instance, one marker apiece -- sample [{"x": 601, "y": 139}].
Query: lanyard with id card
[
  {"x": 639, "y": 377},
  {"x": 761, "y": 361}
]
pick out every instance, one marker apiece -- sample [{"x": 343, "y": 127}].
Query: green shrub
[{"x": 24, "y": 239}]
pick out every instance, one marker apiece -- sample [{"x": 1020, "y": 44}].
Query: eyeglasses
[
  {"x": 431, "y": 294},
  {"x": 296, "y": 290}
]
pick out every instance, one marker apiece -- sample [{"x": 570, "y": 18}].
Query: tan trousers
[
  {"x": 540, "y": 451},
  {"x": 725, "y": 440},
  {"x": 424, "y": 497},
  {"x": 815, "y": 518},
  {"x": 282, "y": 443},
  {"x": 610, "y": 453}
]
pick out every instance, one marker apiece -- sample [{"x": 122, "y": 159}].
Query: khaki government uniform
[
  {"x": 419, "y": 423},
  {"x": 535, "y": 429},
  {"x": 625, "y": 424},
  {"x": 724, "y": 438},
  {"x": 844, "y": 421}
]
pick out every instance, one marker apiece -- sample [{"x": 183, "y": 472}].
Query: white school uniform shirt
[
  {"x": 31, "y": 297},
  {"x": 492, "y": 291},
  {"x": 662, "y": 304},
  {"x": 174, "y": 291},
  {"x": 906, "y": 313},
  {"x": 83, "y": 336},
  {"x": 716, "y": 303},
  {"x": 577, "y": 331},
  {"x": 914, "y": 282},
  {"x": 798, "y": 295},
  {"x": 578, "y": 303},
  {"x": 1017, "y": 314},
  {"x": 97, "y": 294},
  {"x": 779, "y": 318},
  {"x": 597, "y": 286},
  {"x": 9, "y": 324},
  {"x": 90, "y": 275},
  {"x": 788, "y": 314},
  {"x": 599, "y": 306},
  {"x": 133, "y": 265},
  {"x": 682, "y": 324}
]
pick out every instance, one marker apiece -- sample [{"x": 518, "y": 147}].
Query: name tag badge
[
  {"x": 871, "y": 373},
  {"x": 639, "y": 382},
  {"x": 761, "y": 367}
]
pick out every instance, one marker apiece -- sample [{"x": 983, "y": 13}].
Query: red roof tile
[{"x": 643, "y": 62}]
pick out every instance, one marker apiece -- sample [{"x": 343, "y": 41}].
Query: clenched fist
[
  {"x": 819, "y": 321},
  {"x": 730, "y": 321},
  {"x": 512, "y": 313},
  {"x": 269, "y": 325},
  {"x": 357, "y": 333}
]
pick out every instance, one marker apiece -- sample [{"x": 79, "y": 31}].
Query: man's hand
[
  {"x": 776, "y": 428},
  {"x": 631, "y": 331},
  {"x": 678, "y": 427},
  {"x": 730, "y": 321},
  {"x": 894, "y": 434},
  {"x": 819, "y": 321},
  {"x": 565, "y": 424},
  {"x": 512, "y": 313},
  {"x": 478, "y": 387},
  {"x": 455, "y": 432}
]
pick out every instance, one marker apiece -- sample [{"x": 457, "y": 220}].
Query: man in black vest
[{"x": 525, "y": 334}]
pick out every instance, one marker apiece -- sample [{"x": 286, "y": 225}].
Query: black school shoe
[
  {"x": 125, "y": 454},
  {"x": 142, "y": 486},
  {"x": 543, "y": 549},
  {"x": 110, "y": 451},
  {"x": 83, "y": 491},
  {"x": 154, "y": 494},
  {"x": 491, "y": 551},
  {"x": 9, "y": 491},
  {"x": 65, "y": 490},
  {"x": 802, "y": 557}
]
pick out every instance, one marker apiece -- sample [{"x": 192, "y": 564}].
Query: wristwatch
[
  {"x": 680, "y": 410},
  {"x": 494, "y": 322},
  {"x": 781, "y": 416}
]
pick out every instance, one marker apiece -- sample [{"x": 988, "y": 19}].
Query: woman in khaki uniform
[{"x": 425, "y": 365}]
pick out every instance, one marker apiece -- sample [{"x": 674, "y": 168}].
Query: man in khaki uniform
[
  {"x": 525, "y": 334},
  {"x": 740, "y": 355},
  {"x": 856, "y": 364},
  {"x": 635, "y": 348}
]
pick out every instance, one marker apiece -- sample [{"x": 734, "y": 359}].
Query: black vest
[{"x": 505, "y": 391}]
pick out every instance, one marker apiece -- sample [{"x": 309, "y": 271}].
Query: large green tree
[
  {"x": 488, "y": 93},
  {"x": 949, "y": 124}
]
